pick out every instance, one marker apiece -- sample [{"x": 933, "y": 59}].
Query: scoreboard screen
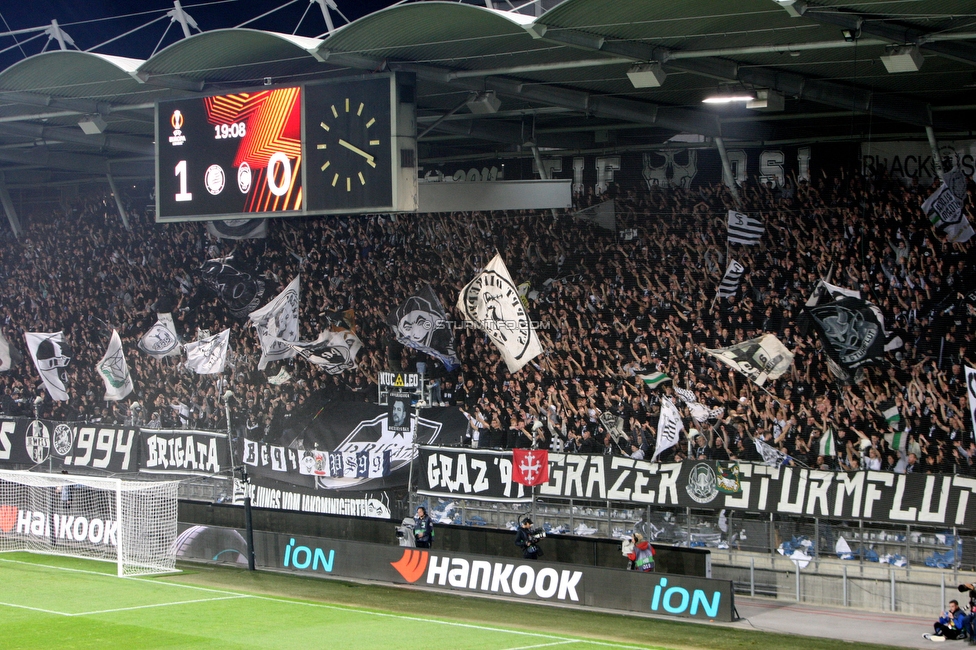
[
  {"x": 230, "y": 155},
  {"x": 340, "y": 146}
]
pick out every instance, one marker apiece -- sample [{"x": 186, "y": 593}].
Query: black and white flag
[
  {"x": 850, "y": 332},
  {"x": 744, "y": 229},
  {"x": 669, "y": 428},
  {"x": 944, "y": 209},
  {"x": 760, "y": 359},
  {"x": 161, "y": 340},
  {"x": 971, "y": 391},
  {"x": 239, "y": 290},
  {"x": 699, "y": 412},
  {"x": 491, "y": 302},
  {"x": 51, "y": 358},
  {"x": 421, "y": 323},
  {"x": 730, "y": 283},
  {"x": 209, "y": 355},
  {"x": 334, "y": 352},
  {"x": 277, "y": 324},
  {"x": 114, "y": 371},
  {"x": 770, "y": 455}
]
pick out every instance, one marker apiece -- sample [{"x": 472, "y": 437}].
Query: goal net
[{"x": 131, "y": 523}]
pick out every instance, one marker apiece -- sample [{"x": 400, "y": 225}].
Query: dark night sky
[{"x": 91, "y": 22}]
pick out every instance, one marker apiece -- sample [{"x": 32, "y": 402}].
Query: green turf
[{"x": 63, "y": 603}]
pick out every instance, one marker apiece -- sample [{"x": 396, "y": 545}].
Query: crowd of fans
[{"x": 609, "y": 308}]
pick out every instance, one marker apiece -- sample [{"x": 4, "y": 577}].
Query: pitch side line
[
  {"x": 34, "y": 609},
  {"x": 181, "y": 602},
  {"x": 546, "y": 645}
]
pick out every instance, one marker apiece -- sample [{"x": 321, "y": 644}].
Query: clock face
[{"x": 349, "y": 145}]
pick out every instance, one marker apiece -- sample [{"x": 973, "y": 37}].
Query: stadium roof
[{"x": 561, "y": 77}]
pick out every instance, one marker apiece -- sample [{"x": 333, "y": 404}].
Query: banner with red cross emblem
[{"x": 530, "y": 466}]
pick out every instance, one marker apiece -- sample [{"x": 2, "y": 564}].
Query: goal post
[{"x": 131, "y": 523}]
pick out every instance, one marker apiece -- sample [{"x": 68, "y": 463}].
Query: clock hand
[{"x": 359, "y": 151}]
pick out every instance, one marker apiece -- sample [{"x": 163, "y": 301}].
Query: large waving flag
[
  {"x": 51, "y": 358},
  {"x": 744, "y": 229},
  {"x": 669, "y": 427},
  {"x": 277, "y": 325},
  {"x": 850, "y": 332},
  {"x": 238, "y": 228},
  {"x": 491, "y": 302},
  {"x": 421, "y": 323},
  {"x": 239, "y": 290},
  {"x": 759, "y": 359},
  {"x": 332, "y": 351},
  {"x": 161, "y": 340},
  {"x": 114, "y": 371},
  {"x": 944, "y": 209},
  {"x": 730, "y": 281},
  {"x": 208, "y": 356}
]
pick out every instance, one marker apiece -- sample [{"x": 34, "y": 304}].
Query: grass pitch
[{"x": 63, "y": 603}]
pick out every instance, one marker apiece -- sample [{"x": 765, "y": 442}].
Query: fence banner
[
  {"x": 568, "y": 585},
  {"x": 185, "y": 452},
  {"x": 924, "y": 499}
]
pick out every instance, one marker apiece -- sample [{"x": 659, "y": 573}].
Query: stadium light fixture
[
  {"x": 767, "y": 100},
  {"x": 647, "y": 75},
  {"x": 93, "y": 124},
  {"x": 484, "y": 103},
  {"x": 906, "y": 58},
  {"x": 728, "y": 98}
]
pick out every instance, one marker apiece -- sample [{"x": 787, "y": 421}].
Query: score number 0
[{"x": 276, "y": 188}]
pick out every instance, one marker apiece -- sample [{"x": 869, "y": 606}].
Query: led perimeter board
[{"x": 336, "y": 147}]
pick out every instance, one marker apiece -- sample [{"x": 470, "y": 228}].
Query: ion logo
[
  {"x": 301, "y": 557},
  {"x": 676, "y": 600},
  {"x": 412, "y": 565}
]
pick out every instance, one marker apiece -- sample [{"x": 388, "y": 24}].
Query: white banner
[
  {"x": 114, "y": 371},
  {"x": 51, "y": 359},
  {"x": 669, "y": 428},
  {"x": 491, "y": 301},
  {"x": 758, "y": 359},
  {"x": 161, "y": 340},
  {"x": 277, "y": 324},
  {"x": 208, "y": 356}
]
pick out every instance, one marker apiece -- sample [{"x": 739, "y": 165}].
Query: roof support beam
[
  {"x": 901, "y": 109},
  {"x": 103, "y": 142},
  {"x": 9, "y": 209},
  {"x": 891, "y": 31},
  {"x": 44, "y": 157}
]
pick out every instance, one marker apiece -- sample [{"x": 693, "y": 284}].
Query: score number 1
[{"x": 182, "y": 195}]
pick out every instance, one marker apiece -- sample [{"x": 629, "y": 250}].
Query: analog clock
[{"x": 349, "y": 144}]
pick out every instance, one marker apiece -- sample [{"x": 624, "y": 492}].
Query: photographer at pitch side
[{"x": 527, "y": 538}]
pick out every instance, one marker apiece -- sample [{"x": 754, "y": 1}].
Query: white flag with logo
[
  {"x": 277, "y": 325},
  {"x": 744, "y": 229},
  {"x": 944, "y": 210},
  {"x": 208, "y": 356},
  {"x": 114, "y": 371},
  {"x": 669, "y": 428},
  {"x": 161, "y": 340},
  {"x": 51, "y": 358},
  {"x": 971, "y": 390},
  {"x": 491, "y": 301},
  {"x": 760, "y": 359},
  {"x": 730, "y": 282}
]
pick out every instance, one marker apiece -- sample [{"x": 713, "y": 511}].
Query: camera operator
[
  {"x": 641, "y": 555},
  {"x": 527, "y": 538},
  {"x": 423, "y": 528}
]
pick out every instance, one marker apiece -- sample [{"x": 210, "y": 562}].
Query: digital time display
[{"x": 230, "y": 155}]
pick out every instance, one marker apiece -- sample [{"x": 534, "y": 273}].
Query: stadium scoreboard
[{"x": 342, "y": 146}]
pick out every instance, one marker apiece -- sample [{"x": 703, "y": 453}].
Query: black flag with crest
[
  {"x": 850, "y": 332},
  {"x": 239, "y": 290}
]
